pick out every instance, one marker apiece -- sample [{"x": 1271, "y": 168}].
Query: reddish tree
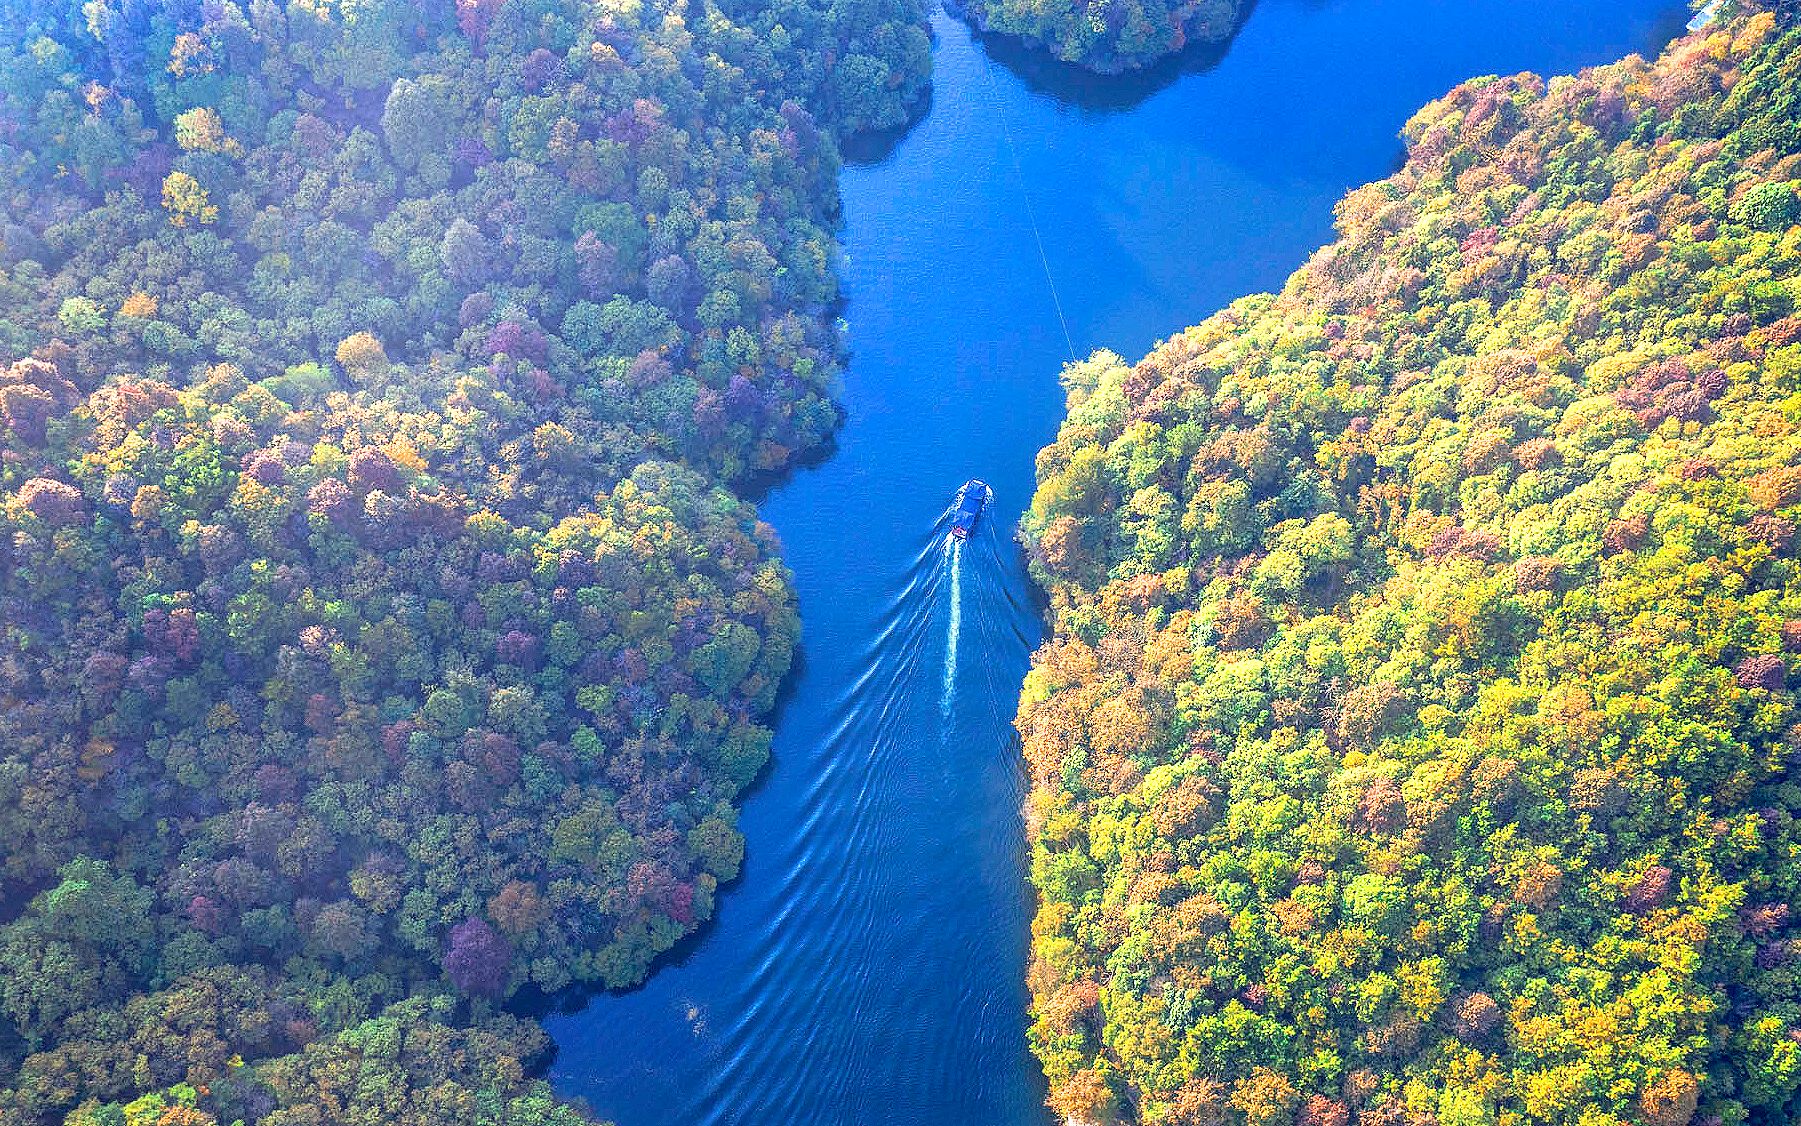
[
  {"x": 496, "y": 755},
  {"x": 474, "y": 17},
  {"x": 1475, "y": 1015},
  {"x": 321, "y": 714},
  {"x": 173, "y": 634},
  {"x": 103, "y": 674},
  {"x": 1773, "y": 955},
  {"x": 539, "y": 68},
  {"x": 1627, "y": 534},
  {"x": 1764, "y": 919},
  {"x": 478, "y": 959},
  {"x": 1536, "y": 453},
  {"x": 1467, "y": 543},
  {"x": 332, "y": 499},
  {"x": 1380, "y": 808},
  {"x": 205, "y": 914},
  {"x": 371, "y": 469},
  {"x": 27, "y": 411},
  {"x": 265, "y": 467},
  {"x": 1776, "y": 532},
  {"x": 1322, "y": 1111},
  {"x": 1536, "y": 572},
  {"x": 474, "y": 309},
  {"x": 681, "y": 904},
  {"x": 516, "y": 647},
  {"x": 53, "y": 502},
  {"x": 1200, "y": 1102},
  {"x": 276, "y": 784},
  {"x": 519, "y": 340},
  {"x": 1765, "y": 671},
  {"x": 1651, "y": 890},
  {"x": 597, "y": 265},
  {"x": 1791, "y": 635}
]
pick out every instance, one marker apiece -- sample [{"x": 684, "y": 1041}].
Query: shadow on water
[
  {"x": 1071, "y": 85},
  {"x": 1083, "y": 89},
  {"x": 873, "y": 146},
  {"x": 1667, "y": 26},
  {"x": 756, "y": 487}
]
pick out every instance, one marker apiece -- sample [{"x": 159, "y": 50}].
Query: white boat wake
[{"x": 953, "y": 555}]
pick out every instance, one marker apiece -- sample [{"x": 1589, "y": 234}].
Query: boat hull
[{"x": 972, "y": 498}]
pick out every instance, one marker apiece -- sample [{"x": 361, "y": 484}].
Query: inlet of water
[{"x": 869, "y": 965}]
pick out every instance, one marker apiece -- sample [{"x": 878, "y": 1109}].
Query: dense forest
[
  {"x": 1415, "y": 742},
  {"x": 1109, "y": 36},
  {"x": 381, "y": 639}
]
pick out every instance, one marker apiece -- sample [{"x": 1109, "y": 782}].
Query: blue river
[{"x": 869, "y": 965}]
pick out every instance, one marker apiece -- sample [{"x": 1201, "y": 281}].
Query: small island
[{"x": 1108, "y": 36}]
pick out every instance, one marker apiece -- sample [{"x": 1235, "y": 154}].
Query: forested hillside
[
  {"x": 380, "y": 638},
  {"x": 1415, "y": 743},
  {"x": 1109, "y": 36}
]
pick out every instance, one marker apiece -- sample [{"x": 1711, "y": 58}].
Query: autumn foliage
[
  {"x": 381, "y": 639},
  {"x": 1414, "y": 745}
]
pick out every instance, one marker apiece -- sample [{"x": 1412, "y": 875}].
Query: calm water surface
[{"x": 868, "y": 967}]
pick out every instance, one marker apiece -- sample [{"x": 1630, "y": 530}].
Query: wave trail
[{"x": 953, "y": 555}]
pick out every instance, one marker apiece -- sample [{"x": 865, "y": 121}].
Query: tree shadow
[
  {"x": 1044, "y": 73},
  {"x": 1088, "y": 90},
  {"x": 1669, "y": 26},
  {"x": 873, "y": 146}
]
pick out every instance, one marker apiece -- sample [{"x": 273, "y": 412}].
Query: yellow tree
[
  {"x": 363, "y": 357},
  {"x": 201, "y": 130},
  {"x": 185, "y": 199}
]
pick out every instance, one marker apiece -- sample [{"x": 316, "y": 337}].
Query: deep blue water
[{"x": 868, "y": 967}]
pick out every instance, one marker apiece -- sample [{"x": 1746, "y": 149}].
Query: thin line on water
[{"x": 1000, "y": 116}]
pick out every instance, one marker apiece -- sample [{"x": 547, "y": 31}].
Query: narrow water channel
[{"x": 868, "y": 966}]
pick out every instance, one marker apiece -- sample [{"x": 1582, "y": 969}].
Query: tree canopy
[
  {"x": 381, "y": 638},
  {"x": 1109, "y": 36},
  {"x": 1415, "y": 742}
]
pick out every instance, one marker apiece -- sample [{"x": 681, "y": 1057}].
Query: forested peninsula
[
  {"x": 1108, "y": 36},
  {"x": 1415, "y": 743},
  {"x": 381, "y": 637}
]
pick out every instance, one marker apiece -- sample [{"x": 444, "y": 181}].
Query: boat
[{"x": 971, "y": 499}]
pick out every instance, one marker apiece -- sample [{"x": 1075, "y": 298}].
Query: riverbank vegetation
[
  {"x": 381, "y": 638},
  {"x": 1109, "y": 36},
  {"x": 1415, "y": 742}
]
